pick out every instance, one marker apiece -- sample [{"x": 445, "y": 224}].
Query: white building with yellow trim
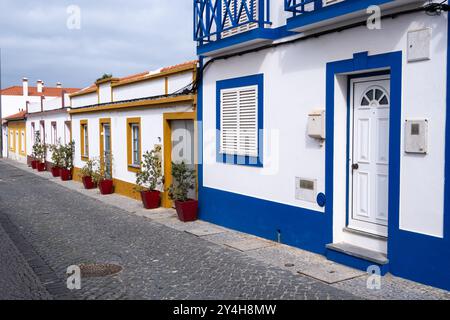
[{"x": 125, "y": 117}]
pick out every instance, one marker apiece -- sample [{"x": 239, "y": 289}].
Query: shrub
[
  {"x": 57, "y": 154},
  {"x": 89, "y": 169},
  {"x": 183, "y": 181},
  {"x": 67, "y": 152},
  {"x": 150, "y": 175}
]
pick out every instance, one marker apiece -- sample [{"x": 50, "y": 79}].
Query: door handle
[{"x": 355, "y": 166}]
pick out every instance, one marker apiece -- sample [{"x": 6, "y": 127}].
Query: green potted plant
[
  {"x": 41, "y": 153},
  {"x": 57, "y": 159},
  {"x": 103, "y": 177},
  {"x": 87, "y": 174},
  {"x": 67, "y": 152},
  {"x": 34, "y": 152},
  {"x": 183, "y": 182},
  {"x": 149, "y": 178}
]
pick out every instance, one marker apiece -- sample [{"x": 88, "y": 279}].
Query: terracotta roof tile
[
  {"x": 17, "y": 116},
  {"x": 179, "y": 65},
  {"x": 32, "y": 91}
]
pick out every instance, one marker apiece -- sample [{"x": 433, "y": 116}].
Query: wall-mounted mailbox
[
  {"x": 316, "y": 125},
  {"x": 416, "y": 136}
]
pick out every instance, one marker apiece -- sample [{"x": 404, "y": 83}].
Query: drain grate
[{"x": 99, "y": 270}]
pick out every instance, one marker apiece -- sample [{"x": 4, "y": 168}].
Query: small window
[
  {"x": 42, "y": 130},
  {"x": 33, "y": 133},
  {"x": 134, "y": 143},
  {"x": 11, "y": 139},
  {"x": 67, "y": 131},
  {"x": 54, "y": 133},
  {"x": 239, "y": 121},
  {"x": 22, "y": 142}
]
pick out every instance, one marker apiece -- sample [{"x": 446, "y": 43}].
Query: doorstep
[{"x": 357, "y": 257}]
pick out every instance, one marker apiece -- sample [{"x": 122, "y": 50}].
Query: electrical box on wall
[
  {"x": 419, "y": 45},
  {"x": 416, "y": 136},
  {"x": 316, "y": 125},
  {"x": 305, "y": 189}
]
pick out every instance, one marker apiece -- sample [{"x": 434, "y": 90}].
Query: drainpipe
[{"x": 42, "y": 103}]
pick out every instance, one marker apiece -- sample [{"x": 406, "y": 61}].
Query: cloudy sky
[{"x": 115, "y": 36}]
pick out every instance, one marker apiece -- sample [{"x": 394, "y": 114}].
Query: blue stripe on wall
[{"x": 299, "y": 227}]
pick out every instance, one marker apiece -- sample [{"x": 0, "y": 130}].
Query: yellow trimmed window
[
  {"x": 84, "y": 140},
  {"x": 11, "y": 140},
  {"x": 134, "y": 143}
]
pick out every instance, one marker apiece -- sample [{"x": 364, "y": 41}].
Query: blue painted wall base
[{"x": 297, "y": 227}]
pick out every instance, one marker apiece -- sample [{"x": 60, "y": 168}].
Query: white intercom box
[
  {"x": 416, "y": 136},
  {"x": 316, "y": 124},
  {"x": 305, "y": 189}
]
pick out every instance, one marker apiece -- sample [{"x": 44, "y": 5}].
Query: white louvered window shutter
[
  {"x": 239, "y": 121},
  {"x": 243, "y": 18}
]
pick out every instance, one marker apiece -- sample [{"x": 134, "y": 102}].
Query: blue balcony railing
[
  {"x": 302, "y": 6},
  {"x": 217, "y": 19}
]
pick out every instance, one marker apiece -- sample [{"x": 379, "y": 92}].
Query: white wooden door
[
  {"x": 369, "y": 163},
  {"x": 183, "y": 145}
]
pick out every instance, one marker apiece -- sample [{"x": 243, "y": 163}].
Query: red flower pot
[
  {"x": 41, "y": 166},
  {"x": 151, "y": 199},
  {"x": 88, "y": 183},
  {"x": 187, "y": 210},
  {"x": 106, "y": 186},
  {"x": 66, "y": 174},
  {"x": 55, "y": 171},
  {"x": 34, "y": 164}
]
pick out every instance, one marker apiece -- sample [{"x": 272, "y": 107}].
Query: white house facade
[
  {"x": 19, "y": 102},
  {"x": 122, "y": 118},
  {"x": 327, "y": 131},
  {"x": 51, "y": 119}
]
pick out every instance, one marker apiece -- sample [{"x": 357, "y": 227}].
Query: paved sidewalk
[{"x": 303, "y": 266}]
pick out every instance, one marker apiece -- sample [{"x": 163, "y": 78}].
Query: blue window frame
[{"x": 255, "y": 157}]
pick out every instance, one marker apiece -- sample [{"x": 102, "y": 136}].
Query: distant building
[{"x": 15, "y": 101}]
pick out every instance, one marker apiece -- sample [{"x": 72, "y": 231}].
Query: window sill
[
  {"x": 84, "y": 158},
  {"x": 240, "y": 160},
  {"x": 133, "y": 168}
]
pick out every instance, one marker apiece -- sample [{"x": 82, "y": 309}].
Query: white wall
[
  {"x": 294, "y": 83},
  {"x": 151, "y": 134},
  {"x": 84, "y": 100},
  {"x": 61, "y": 132}
]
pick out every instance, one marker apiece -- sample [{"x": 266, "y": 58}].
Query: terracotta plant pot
[
  {"x": 151, "y": 199},
  {"x": 88, "y": 183},
  {"x": 187, "y": 210},
  {"x": 41, "y": 166},
  {"x": 66, "y": 174},
  {"x": 34, "y": 164},
  {"x": 55, "y": 171},
  {"x": 106, "y": 186}
]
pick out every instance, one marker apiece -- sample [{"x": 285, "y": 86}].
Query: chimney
[
  {"x": 39, "y": 86},
  {"x": 59, "y": 85},
  {"x": 25, "y": 87}
]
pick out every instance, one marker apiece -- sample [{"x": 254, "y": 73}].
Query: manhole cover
[{"x": 98, "y": 270}]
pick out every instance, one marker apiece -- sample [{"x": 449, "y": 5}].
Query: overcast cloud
[{"x": 118, "y": 37}]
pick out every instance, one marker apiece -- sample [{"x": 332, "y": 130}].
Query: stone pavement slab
[
  {"x": 306, "y": 263},
  {"x": 249, "y": 244}
]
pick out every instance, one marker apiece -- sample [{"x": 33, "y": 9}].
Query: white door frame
[{"x": 350, "y": 141}]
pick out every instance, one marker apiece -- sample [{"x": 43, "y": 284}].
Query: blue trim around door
[{"x": 414, "y": 256}]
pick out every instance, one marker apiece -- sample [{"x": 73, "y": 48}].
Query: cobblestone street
[{"x": 65, "y": 228}]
